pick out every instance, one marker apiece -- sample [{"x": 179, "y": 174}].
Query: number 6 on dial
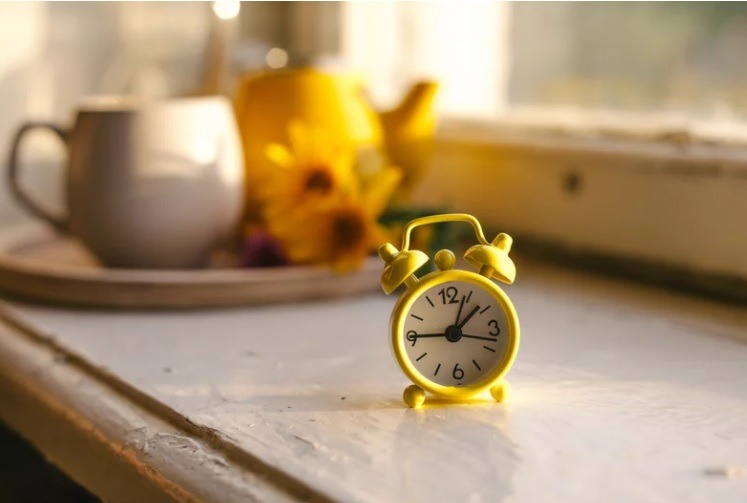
[{"x": 455, "y": 333}]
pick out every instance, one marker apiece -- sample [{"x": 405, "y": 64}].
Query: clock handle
[{"x": 437, "y": 219}]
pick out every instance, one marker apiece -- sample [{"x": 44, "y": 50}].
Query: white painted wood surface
[
  {"x": 121, "y": 448},
  {"x": 621, "y": 393}
]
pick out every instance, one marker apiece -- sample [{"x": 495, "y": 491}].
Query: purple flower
[{"x": 262, "y": 250}]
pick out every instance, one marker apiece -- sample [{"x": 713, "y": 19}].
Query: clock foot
[
  {"x": 501, "y": 391},
  {"x": 414, "y": 396}
]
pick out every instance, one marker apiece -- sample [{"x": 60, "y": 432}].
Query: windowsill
[
  {"x": 663, "y": 201},
  {"x": 571, "y": 123}
]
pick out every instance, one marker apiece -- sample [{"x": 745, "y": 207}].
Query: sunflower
[
  {"x": 315, "y": 167},
  {"x": 316, "y": 205},
  {"x": 340, "y": 231}
]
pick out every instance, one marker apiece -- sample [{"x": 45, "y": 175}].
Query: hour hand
[{"x": 467, "y": 318}]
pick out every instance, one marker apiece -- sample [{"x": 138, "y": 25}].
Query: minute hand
[
  {"x": 478, "y": 337},
  {"x": 470, "y": 315}
]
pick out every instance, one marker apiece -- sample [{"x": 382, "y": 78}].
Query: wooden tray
[{"x": 38, "y": 265}]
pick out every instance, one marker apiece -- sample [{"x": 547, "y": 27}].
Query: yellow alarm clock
[{"x": 454, "y": 332}]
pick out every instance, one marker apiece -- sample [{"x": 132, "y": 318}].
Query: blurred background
[
  {"x": 681, "y": 60},
  {"x": 676, "y": 63}
]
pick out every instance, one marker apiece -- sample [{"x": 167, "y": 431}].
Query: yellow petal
[
  {"x": 344, "y": 174},
  {"x": 300, "y": 139},
  {"x": 380, "y": 189},
  {"x": 280, "y": 155}
]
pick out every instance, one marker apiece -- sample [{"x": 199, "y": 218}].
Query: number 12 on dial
[{"x": 455, "y": 333}]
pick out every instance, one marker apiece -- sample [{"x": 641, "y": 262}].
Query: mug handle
[{"x": 59, "y": 223}]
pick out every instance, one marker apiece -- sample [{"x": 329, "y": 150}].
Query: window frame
[{"x": 664, "y": 207}]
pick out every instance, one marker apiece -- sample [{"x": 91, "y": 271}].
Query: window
[{"x": 680, "y": 59}]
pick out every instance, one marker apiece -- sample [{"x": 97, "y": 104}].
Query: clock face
[{"x": 456, "y": 334}]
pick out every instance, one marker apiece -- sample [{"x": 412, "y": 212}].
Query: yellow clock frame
[
  {"x": 402, "y": 309},
  {"x": 492, "y": 259}
]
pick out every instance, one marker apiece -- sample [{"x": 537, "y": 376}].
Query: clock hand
[
  {"x": 412, "y": 337},
  {"x": 470, "y": 315},
  {"x": 478, "y": 337},
  {"x": 459, "y": 313}
]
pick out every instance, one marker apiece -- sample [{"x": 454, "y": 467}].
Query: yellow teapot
[{"x": 267, "y": 101}]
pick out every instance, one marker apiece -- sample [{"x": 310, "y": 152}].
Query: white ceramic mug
[{"x": 149, "y": 184}]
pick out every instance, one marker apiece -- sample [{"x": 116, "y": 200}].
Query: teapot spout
[
  {"x": 414, "y": 118},
  {"x": 408, "y": 135}
]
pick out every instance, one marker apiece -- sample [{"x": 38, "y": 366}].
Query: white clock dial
[{"x": 456, "y": 334}]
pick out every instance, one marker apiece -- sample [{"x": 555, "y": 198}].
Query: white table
[{"x": 621, "y": 393}]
